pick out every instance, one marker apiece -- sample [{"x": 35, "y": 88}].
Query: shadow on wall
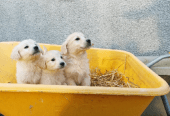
[{"x": 160, "y": 10}]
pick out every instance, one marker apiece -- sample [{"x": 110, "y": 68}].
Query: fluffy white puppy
[
  {"x": 52, "y": 64},
  {"x": 77, "y": 71},
  {"x": 26, "y": 54}
]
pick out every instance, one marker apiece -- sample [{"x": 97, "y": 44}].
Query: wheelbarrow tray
[{"x": 61, "y": 100}]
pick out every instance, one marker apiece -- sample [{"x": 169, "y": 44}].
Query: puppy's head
[
  {"x": 51, "y": 60},
  {"x": 75, "y": 43},
  {"x": 26, "y": 50}
]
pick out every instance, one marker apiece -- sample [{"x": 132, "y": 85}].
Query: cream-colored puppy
[
  {"x": 52, "y": 64},
  {"x": 77, "y": 71},
  {"x": 26, "y": 53}
]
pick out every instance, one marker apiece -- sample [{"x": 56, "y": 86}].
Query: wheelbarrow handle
[
  {"x": 164, "y": 98},
  {"x": 157, "y": 60}
]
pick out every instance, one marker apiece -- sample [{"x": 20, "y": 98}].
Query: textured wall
[{"x": 138, "y": 26}]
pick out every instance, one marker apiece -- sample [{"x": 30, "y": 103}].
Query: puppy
[
  {"x": 52, "y": 64},
  {"x": 26, "y": 54},
  {"x": 77, "y": 71}
]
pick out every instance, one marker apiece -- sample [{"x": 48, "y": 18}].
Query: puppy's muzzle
[
  {"x": 36, "y": 50},
  {"x": 62, "y": 64},
  {"x": 88, "y": 42}
]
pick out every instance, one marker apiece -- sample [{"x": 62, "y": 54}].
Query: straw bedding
[{"x": 110, "y": 79}]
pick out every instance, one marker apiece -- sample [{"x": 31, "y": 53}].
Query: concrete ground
[{"x": 156, "y": 107}]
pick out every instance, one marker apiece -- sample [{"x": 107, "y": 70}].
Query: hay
[{"x": 110, "y": 79}]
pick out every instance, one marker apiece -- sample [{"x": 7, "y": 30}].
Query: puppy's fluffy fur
[
  {"x": 74, "y": 51},
  {"x": 26, "y": 54},
  {"x": 52, "y": 64}
]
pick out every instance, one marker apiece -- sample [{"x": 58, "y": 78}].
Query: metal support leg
[
  {"x": 166, "y": 104},
  {"x": 164, "y": 98}
]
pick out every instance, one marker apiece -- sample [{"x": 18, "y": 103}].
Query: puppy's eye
[
  {"x": 26, "y": 47},
  {"x": 53, "y": 59},
  {"x": 61, "y": 57},
  {"x": 77, "y": 39}
]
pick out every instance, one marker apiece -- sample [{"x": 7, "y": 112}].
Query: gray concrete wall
[{"x": 138, "y": 26}]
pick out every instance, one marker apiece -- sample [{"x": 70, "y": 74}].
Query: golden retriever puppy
[
  {"x": 52, "y": 64},
  {"x": 77, "y": 71},
  {"x": 26, "y": 54}
]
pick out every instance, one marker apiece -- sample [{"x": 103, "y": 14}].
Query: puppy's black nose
[
  {"x": 62, "y": 63},
  {"x": 36, "y": 48},
  {"x": 88, "y": 41}
]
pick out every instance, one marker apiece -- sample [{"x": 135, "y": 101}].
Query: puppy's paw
[
  {"x": 64, "y": 83},
  {"x": 71, "y": 82},
  {"x": 86, "y": 82}
]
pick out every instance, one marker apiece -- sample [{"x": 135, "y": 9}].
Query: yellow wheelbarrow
[
  {"x": 164, "y": 98},
  {"x": 60, "y": 100}
]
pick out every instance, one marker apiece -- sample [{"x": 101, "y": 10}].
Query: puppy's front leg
[
  {"x": 64, "y": 83},
  {"x": 86, "y": 81},
  {"x": 58, "y": 83},
  {"x": 71, "y": 82},
  {"x": 21, "y": 82}
]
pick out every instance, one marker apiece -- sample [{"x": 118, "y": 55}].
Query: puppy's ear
[
  {"x": 64, "y": 47},
  {"x": 45, "y": 50},
  {"x": 41, "y": 63},
  {"x": 15, "y": 55}
]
